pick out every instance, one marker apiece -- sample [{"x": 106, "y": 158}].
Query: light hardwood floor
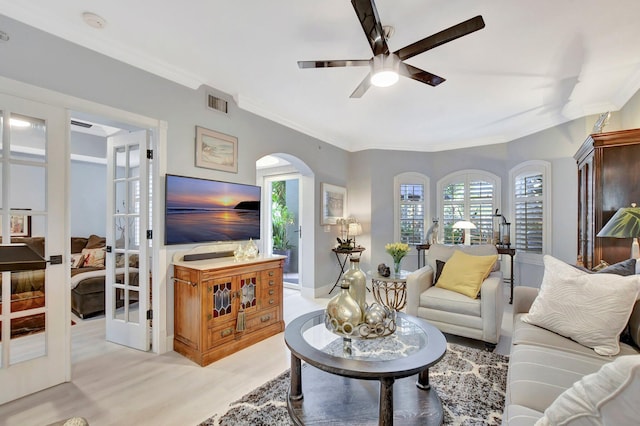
[{"x": 115, "y": 385}]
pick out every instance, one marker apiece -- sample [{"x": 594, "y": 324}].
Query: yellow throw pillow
[{"x": 464, "y": 273}]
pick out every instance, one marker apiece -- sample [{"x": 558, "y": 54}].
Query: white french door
[
  {"x": 35, "y": 314},
  {"x": 293, "y": 270},
  {"x": 127, "y": 259}
]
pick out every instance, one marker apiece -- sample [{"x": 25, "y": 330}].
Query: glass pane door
[
  {"x": 127, "y": 286},
  {"x": 34, "y": 313}
]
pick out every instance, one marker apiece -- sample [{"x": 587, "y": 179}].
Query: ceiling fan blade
[
  {"x": 331, "y": 64},
  {"x": 420, "y": 75},
  {"x": 442, "y": 37},
  {"x": 370, "y": 21},
  {"x": 362, "y": 87}
]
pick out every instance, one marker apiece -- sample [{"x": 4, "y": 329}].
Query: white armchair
[{"x": 452, "y": 312}]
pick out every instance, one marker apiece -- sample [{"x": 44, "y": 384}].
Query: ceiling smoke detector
[{"x": 93, "y": 20}]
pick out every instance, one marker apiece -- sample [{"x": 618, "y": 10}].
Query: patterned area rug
[{"x": 470, "y": 382}]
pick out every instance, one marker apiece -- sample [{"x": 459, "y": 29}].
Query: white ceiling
[{"x": 536, "y": 64}]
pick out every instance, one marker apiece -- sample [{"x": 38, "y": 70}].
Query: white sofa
[
  {"x": 452, "y": 312},
  {"x": 543, "y": 364}
]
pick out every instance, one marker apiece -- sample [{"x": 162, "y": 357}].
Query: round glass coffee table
[{"x": 340, "y": 383}]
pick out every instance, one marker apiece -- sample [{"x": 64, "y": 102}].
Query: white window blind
[
  {"x": 412, "y": 211},
  {"x": 471, "y": 197},
  {"x": 529, "y": 212}
]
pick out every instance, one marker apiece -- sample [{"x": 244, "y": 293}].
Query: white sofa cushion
[
  {"x": 591, "y": 309},
  {"x": 609, "y": 396},
  {"x": 441, "y": 299},
  {"x": 538, "y": 375}
]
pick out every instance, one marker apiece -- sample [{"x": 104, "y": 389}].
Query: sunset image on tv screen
[{"x": 199, "y": 210}]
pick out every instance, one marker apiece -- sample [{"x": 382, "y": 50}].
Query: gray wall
[
  {"x": 37, "y": 58},
  {"x": 88, "y": 198}
]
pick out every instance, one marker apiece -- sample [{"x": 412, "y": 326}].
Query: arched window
[
  {"x": 411, "y": 207},
  {"x": 530, "y": 206},
  {"x": 471, "y": 195}
]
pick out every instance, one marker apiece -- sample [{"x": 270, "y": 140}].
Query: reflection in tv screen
[{"x": 201, "y": 210}]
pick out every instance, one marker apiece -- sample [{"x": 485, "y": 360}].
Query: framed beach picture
[
  {"x": 216, "y": 150},
  {"x": 334, "y": 203}
]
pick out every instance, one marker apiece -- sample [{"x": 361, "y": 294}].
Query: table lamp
[
  {"x": 625, "y": 224},
  {"x": 355, "y": 229},
  {"x": 465, "y": 225}
]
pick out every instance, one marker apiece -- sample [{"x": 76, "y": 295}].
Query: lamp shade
[
  {"x": 355, "y": 229},
  {"x": 20, "y": 257},
  {"x": 464, "y": 224},
  {"x": 624, "y": 224}
]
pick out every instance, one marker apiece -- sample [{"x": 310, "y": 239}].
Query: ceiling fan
[{"x": 386, "y": 66}]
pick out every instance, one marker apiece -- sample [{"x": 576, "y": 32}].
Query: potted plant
[{"x": 281, "y": 218}]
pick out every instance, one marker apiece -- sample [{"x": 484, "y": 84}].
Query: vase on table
[
  {"x": 357, "y": 282},
  {"x": 396, "y": 266}
]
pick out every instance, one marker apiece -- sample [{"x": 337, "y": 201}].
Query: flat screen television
[{"x": 202, "y": 210}]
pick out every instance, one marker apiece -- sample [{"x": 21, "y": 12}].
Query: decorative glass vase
[
  {"x": 357, "y": 282},
  {"x": 396, "y": 265},
  {"x": 343, "y": 311}
]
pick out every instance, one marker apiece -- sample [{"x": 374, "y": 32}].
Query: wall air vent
[
  {"x": 217, "y": 104},
  {"x": 81, "y": 124}
]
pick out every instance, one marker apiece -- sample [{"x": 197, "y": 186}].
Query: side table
[
  {"x": 422, "y": 248},
  {"x": 390, "y": 291},
  {"x": 511, "y": 252},
  {"x": 342, "y": 262}
]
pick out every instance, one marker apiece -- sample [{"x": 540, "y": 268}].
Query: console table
[{"x": 342, "y": 262}]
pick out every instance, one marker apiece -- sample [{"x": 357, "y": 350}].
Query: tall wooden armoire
[{"x": 608, "y": 178}]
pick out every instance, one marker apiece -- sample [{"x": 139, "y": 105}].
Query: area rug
[{"x": 470, "y": 382}]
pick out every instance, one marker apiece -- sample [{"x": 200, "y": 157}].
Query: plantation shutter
[
  {"x": 412, "y": 209},
  {"x": 453, "y": 198},
  {"x": 471, "y": 199},
  {"x": 529, "y": 212},
  {"x": 481, "y": 210}
]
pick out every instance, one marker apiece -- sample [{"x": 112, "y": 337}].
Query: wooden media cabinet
[{"x": 222, "y": 306}]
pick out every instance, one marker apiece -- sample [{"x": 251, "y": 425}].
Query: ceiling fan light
[
  {"x": 384, "y": 78},
  {"x": 384, "y": 70}
]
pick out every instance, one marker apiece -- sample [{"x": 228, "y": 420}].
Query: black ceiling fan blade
[
  {"x": 440, "y": 38},
  {"x": 362, "y": 87},
  {"x": 420, "y": 75},
  {"x": 370, "y": 21},
  {"x": 331, "y": 64}
]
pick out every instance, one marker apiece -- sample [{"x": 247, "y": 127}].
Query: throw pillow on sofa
[
  {"x": 77, "y": 260},
  {"x": 591, "y": 309},
  {"x": 464, "y": 273},
  {"x": 608, "y": 396},
  {"x": 93, "y": 257}
]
